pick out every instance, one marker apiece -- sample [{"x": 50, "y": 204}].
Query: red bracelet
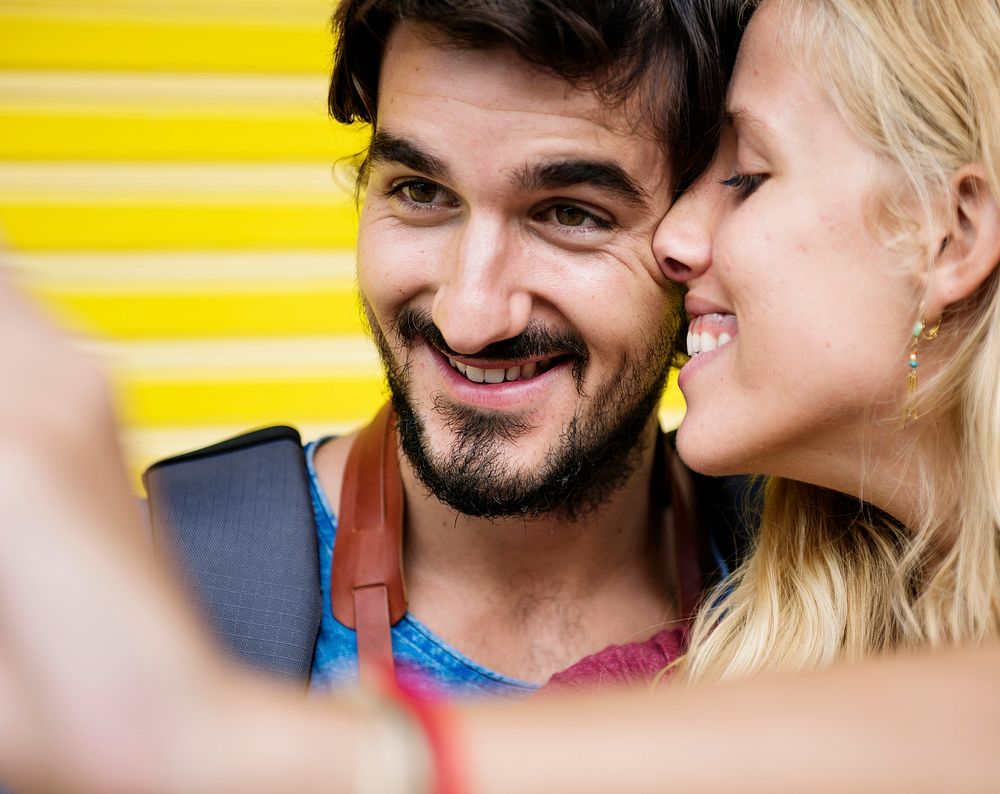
[{"x": 440, "y": 727}]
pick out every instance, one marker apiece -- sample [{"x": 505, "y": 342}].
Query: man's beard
[{"x": 599, "y": 448}]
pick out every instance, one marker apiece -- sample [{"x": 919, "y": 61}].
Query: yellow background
[{"x": 171, "y": 186}]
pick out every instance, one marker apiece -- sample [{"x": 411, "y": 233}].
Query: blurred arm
[{"x": 929, "y": 723}]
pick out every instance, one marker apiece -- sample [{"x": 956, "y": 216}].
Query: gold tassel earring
[{"x": 920, "y": 331}]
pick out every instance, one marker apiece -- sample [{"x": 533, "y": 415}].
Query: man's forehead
[
  {"x": 418, "y": 61},
  {"x": 442, "y": 100}
]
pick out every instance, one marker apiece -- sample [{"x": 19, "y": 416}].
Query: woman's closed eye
[{"x": 744, "y": 184}]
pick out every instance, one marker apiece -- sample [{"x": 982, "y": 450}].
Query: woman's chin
[{"x": 708, "y": 453}]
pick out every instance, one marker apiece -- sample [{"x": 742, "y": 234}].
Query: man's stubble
[{"x": 598, "y": 449}]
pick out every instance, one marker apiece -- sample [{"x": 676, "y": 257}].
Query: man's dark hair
[{"x": 670, "y": 59}]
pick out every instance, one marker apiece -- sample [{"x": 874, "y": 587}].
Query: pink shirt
[{"x": 632, "y": 664}]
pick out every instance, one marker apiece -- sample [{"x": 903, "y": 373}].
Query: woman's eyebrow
[{"x": 742, "y": 119}]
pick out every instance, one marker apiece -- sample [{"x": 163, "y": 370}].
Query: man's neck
[{"x": 529, "y": 597}]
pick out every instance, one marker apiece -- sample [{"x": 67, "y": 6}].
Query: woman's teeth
[
  {"x": 523, "y": 372},
  {"x": 705, "y": 341}
]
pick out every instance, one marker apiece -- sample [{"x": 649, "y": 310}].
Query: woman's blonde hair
[{"x": 830, "y": 578}]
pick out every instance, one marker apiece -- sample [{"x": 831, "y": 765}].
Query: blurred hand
[{"x": 101, "y": 671}]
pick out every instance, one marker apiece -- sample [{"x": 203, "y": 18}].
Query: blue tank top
[{"x": 414, "y": 645}]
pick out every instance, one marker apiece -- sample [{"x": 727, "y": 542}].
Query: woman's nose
[{"x": 682, "y": 243}]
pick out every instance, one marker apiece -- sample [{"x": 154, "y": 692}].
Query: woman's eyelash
[{"x": 746, "y": 184}]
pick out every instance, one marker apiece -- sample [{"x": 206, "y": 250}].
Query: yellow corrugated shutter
[{"x": 171, "y": 185}]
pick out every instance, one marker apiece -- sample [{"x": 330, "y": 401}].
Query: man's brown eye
[
  {"x": 571, "y": 216},
  {"x": 422, "y": 192}
]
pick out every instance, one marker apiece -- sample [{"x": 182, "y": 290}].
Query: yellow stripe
[
  {"x": 278, "y": 313},
  {"x": 180, "y": 8},
  {"x": 64, "y": 135},
  {"x": 124, "y": 225},
  {"x": 70, "y": 116},
  {"x": 248, "y": 401},
  {"x": 159, "y": 41}
]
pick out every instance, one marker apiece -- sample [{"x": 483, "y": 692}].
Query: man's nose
[
  {"x": 682, "y": 243},
  {"x": 481, "y": 298}
]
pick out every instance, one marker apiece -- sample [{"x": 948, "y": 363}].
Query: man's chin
[
  {"x": 486, "y": 469},
  {"x": 482, "y": 464}
]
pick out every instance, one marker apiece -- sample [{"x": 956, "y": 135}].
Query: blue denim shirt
[{"x": 413, "y": 644}]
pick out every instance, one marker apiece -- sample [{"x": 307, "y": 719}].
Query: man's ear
[{"x": 971, "y": 251}]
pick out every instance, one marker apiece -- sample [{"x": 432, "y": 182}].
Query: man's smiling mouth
[{"x": 514, "y": 372}]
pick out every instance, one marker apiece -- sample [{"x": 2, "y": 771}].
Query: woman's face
[{"x": 800, "y": 311}]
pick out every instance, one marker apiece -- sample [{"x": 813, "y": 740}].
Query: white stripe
[
  {"x": 215, "y": 359},
  {"x": 162, "y": 94},
  {"x": 190, "y": 182},
  {"x": 187, "y": 269}
]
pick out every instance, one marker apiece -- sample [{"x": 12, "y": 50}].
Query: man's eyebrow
[
  {"x": 601, "y": 174},
  {"x": 388, "y": 148}
]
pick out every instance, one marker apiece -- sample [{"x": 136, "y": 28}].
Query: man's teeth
[
  {"x": 477, "y": 375},
  {"x": 705, "y": 341}
]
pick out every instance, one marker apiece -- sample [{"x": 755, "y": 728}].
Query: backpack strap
[
  {"x": 367, "y": 591},
  {"x": 238, "y": 518}
]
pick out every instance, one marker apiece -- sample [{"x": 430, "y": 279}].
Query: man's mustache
[{"x": 535, "y": 341}]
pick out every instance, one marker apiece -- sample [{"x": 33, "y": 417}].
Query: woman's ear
[{"x": 971, "y": 251}]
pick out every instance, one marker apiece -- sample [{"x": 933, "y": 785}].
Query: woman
[
  {"x": 853, "y": 265},
  {"x": 853, "y": 219}
]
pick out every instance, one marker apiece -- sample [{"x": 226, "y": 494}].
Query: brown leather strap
[
  {"x": 371, "y": 610},
  {"x": 367, "y": 592}
]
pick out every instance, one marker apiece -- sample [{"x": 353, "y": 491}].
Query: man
[
  {"x": 516, "y": 171},
  {"x": 522, "y": 153}
]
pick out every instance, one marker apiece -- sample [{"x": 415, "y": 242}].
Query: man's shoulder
[
  {"x": 329, "y": 463},
  {"x": 238, "y": 519}
]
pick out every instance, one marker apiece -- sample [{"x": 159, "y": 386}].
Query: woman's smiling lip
[
  {"x": 697, "y": 363},
  {"x": 711, "y": 328},
  {"x": 696, "y": 305}
]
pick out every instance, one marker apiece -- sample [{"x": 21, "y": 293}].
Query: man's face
[{"x": 505, "y": 263}]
